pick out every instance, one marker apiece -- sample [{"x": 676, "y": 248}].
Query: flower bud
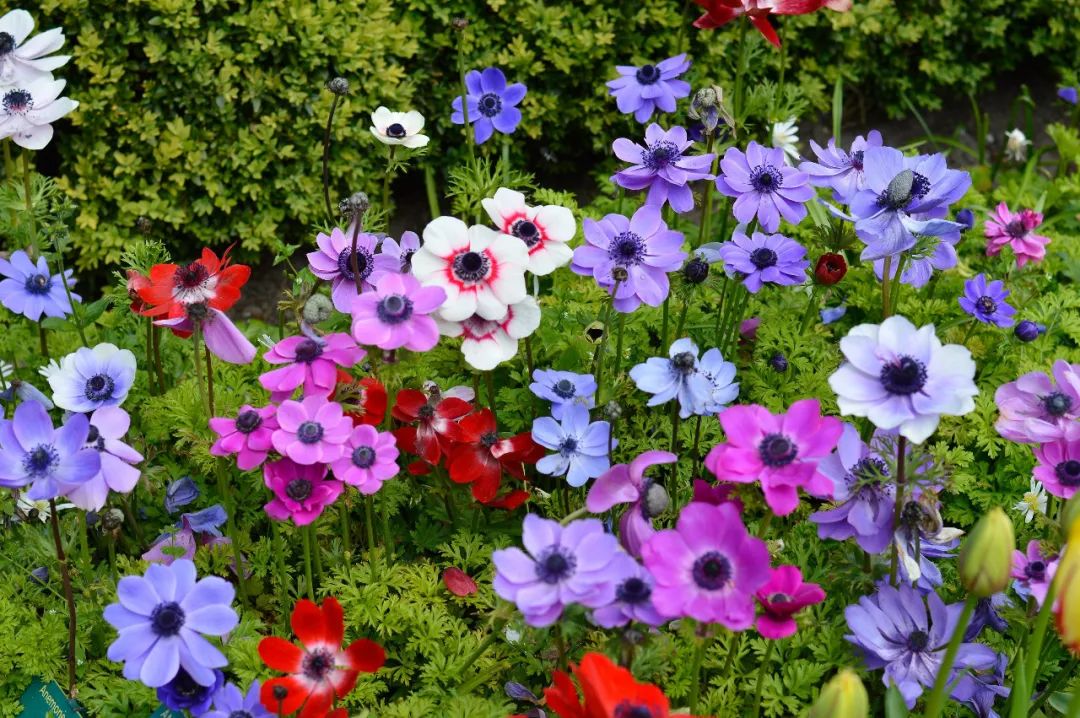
[
  {"x": 1067, "y": 608},
  {"x": 842, "y": 697},
  {"x": 354, "y": 205},
  {"x": 112, "y": 519},
  {"x": 144, "y": 225},
  {"x": 656, "y": 500},
  {"x": 967, "y": 218},
  {"x": 1028, "y": 331},
  {"x": 40, "y": 575},
  {"x": 459, "y": 23},
  {"x": 986, "y": 557},
  {"x": 1070, "y": 513},
  {"x": 317, "y": 309},
  {"x": 339, "y": 86},
  {"x": 778, "y": 362},
  {"x": 612, "y": 410},
  {"x": 696, "y": 270},
  {"x": 830, "y": 269}
]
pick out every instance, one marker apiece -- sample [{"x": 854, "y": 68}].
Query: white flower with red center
[
  {"x": 545, "y": 230},
  {"x": 482, "y": 271},
  {"x": 398, "y": 128},
  {"x": 489, "y": 342}
]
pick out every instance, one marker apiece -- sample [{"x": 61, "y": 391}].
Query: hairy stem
[{"x": 65, "y": 575}]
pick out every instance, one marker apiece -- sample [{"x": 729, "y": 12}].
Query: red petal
[
  {"x": 366, "y": 656},
  {"x": 451, "y": 408},
  {"x": 318, "y": 704},
  {"x": 458, "y": 582},
  {"x": 280, "y": 655},
  {"x": 419, "y": 468},
  {"x": 339, "y": 713},
  {"x": 297, "y": 694},
  {"x": 465, "y": 463},
  {"x": 476, "y": 425},
  {"x": 486, "y": 486},
  {"x": 308, "y": 623},
  {"x": 374, "y": 401},
  {"x": 509, "y": 502},
  {"x": 562, "y": 697},
  {"x": 761, "y": 22},
  {"x": 407, "y": 406},
  {"x": 334, "y": 620},
  {"x": 796, "y": 7}
]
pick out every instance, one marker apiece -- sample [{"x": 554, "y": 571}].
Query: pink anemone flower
[
  {"x": 311, "y": 361},
  {"x": 312, "y": 431},
  {"x": 247, "y": 435},
  {"x": 782, "y": 596}
]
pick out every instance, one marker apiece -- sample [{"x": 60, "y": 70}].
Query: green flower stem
[
  {"x": 1054, "y": 685},
  {"x": 1074, "y": 705},
  {"x": 616, "y": 369},
  {"x": 369, "y": 521},
  {"x": 282, "y": 574},
  {"x": 489, "y": 381},
  {"x": 674, "y": 432},
  {"x": 721, "y": 307},
  {"x": 431, "y": 192},
  {"x": 698, "y": 660},
  {"x": 707, "y": 199},
  {"x": 529, "y": 356},
  {"x": 811, "y": 309},
  {"x": 150, "y": 387},
  {"x": 762, "y": 670},
  {"x": 162, "y": 387},
  {"x": 386, "y": 181},
  {"x": 664, "y": 322},
  {"x": 696, "y": 452},
  {"x": 598, "y": 357},
  {"x": 28, "y": 197},
  {"x": 485, "y": 644},
  {"x": 209, "y": 380},
  {"x": 75, "y": 314},
  {"x": 969, "y": 332},
  {"x": 936, "y": 702},
  {"x": 111, "y": 547},
  {"x": 505, "y": 162},
  {"x": 896, "y": 283},
  {"x": 330, "y": 217},
  {"x": 196, "y": 341},
  {"x": 682, "y": 318},
  {"x": 65, "y": 574},
  {"x": 230, "y": 527},
  {"x": 886, "y": 311},
  {"x": 305, "y": 532},
  {"x": 733, "y": 650},
  {"x": 316, "y": 554},
  {"x": 43, "y": 340},
  {"x": 84, "y": 544},
  {"x": 901, "y": 480},
  {"x": 464, "y": 99},
  {"x": 343, "y": 510}
]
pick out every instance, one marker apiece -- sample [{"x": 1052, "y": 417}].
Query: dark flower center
[
  {"x": 41, "y": 461},
  {"x": 7, "y": 43},
  {"x": 904, "y": 376},
  {"x": 394, "y": 309},
  {"x": 406, "y": 260},
  {"x": 167, "y": 619},
  {"x": 564, "y": 388},
  {"x": 489, "y": 439},
  {"x": 1057, "y": 404},
  {"x": 99, "y": 387},
  {"x": 763, "y": 258},
  {"x": 857, "y": 160},
  {"x": 308, "y": 351},
  {"x": 766, "y": 178},
  {"x": 985, "y": 305},
  {"x": 712, "y": 571},
  {"x": 778, "y": 598},
  {"x": 94, "y": 437},
  {"x": 526, "y": 231},
  {"x": 17, "y": 102},
  {"x": 633, "y": 591},
  {"x": 568, "y": 447},
  {"x": 554, "y": 565},
  {"x": 248, "y": 421},
  {"x": 363, "y": 263},
  {"x": 363, "y": 457},
  {"x": 240, "y": 714},
  {"x": 197, "y": 311},
  {"x": 869, "y": 470},
  {"x": 1068, "y": 472},
  {"x": 627, "y": 709},
  {"x": 918, "y": 641},
  {"x": 1016, "y": 229},
  {"x": 471, "y": 266},
  {"x": 191, "y": 276},
  {"x": 490, "y": 104},
  {"x": 777, "y": 450},
  {"x": 298, "y": 489},
  {"x": 317, "y": 664},
  {"x": 627, "y": 249},
  {"x": 310, "y": 432},
  {"x": 647, "y": 74},
  {"x": 1035, "y": 571},
  {"x": 396, "y": 131},
  {"x": 684, "y": 362},
  {"x": 426, "y": 412},
  {"x": 660, "y": 155},
  {"x": 38, "y": 284}
]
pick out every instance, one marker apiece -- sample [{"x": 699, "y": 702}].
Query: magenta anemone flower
[
  {"x": 311, "y": 361},
  {"x": 708, "y": 567},
  {"x": 1033, "y": 572},
  {"x": 627, "y": 484},
  {"x": 247, "y": 435},
  {"x": 1037, "y": 408},
  {"x": 782, "y": 596},
  {"x": 370, "y": 458},
  {"x": 780, "y": 450},
  {"x": 300, "y": 492},
  {"x": 333, "y": 263},
  {"x": 1059, "y": 467},
  {"x": 108, "y": 425},
  {"x": 1017, "y": 230},
  {"x": 395, "y": 314},
  {"x": 311, "y": 431}
]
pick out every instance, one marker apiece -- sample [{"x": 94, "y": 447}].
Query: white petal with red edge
[
  {"x": 506, "y": 203},
  {"x": 488, "y": 353},
  {"x": 523, "y": 319},
  {"x": 547, "y": 258}
]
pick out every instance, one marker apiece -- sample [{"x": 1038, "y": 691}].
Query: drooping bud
[
  {"x": 339, "y": 86},
  {"x": 696, "y": 270},
  {"x": 706, "y": 106},
  {"x": 986, "y": 557},
  {"x": 778, "y": 362},
  {"x": 830, "y": 268},
  {"x": 1028, "y": 331},
  {"x": 656, "y": 500},
  {"x": 317, "y": 309},
  {"x": 967, "y": 218},
  {"x": 842, "y": 697},
  {"x": 112, "y": 519}
]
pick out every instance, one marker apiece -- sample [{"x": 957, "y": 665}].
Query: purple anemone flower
[
  {"x": 663, "y": 167},
  {"x": 643, "y": 90},
  {"x": 633, "y": 597},
  {"x": 333, "y": 263},
  {"x": 1033, "y": 572},
  {"x": 32, "y": 452},
  {"x": 1036, "y": 408},
  {"x": 311, "y": 362},
  {"x": 399, "y": 251},
  {"x": 563, "y": 389},
  {"x": 568, "y": 564},
  {"x": 162, "y": 618},
  {"x": 247, "y": 436},
  {"x": 1068, "y": 94},
  {"x": 981, "y": 689},
  {"x": 894, "y": 630},
  {"x": 491, "y": 104},
  {"x": 180, "y": 493},
  {"x": 986, "y": 301},
  {"x": 395, "y": 314},
  {"x": 635, "y": 254},
  {"x": 840, "y": 170},
  {"x": 581, "y": 447},
  {"x": 986, "y": 616},
  {"x": 935, "y": 249},
  {"x": 627, "y": 484},
  {"x": 230, "y": 702},
  {"x": 763, "y": 186},
  {"x": 764, "y": 258},
  {"x": 184, "y": 693},
  {"x": 108, "y": 426},
  {"x": 28, "y": 288}
]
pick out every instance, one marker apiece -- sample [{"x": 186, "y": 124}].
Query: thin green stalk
[
  {"x": 721, "y": 306},
  {"x": 369, "y": 521},
  {"x": 969, "y": 332},
  {"x": 432, "y": 193},
  {"x": 1038, "y": 634},
  {"x": 230, "y": 527},
  {"x": 674, "y": 432},
  {"x": 386, "y": 181},
  {"x": 529, "y": 356},
  {"x": 707, "y": 200},
  {"x": 76, "y": 314},
  {"x": 306, "y": 535},
  {"x": 733, "y": 650},
  {"x": 316, "y": 554},
  {"x": 69, "y": 598},
  {"x": 696, "y": 452},
  {"x": 209, "y": 380},
  {"x": 28, "y": 197},
  {"x": 162, "y": 387},
  {"x": 343, "y": 510},
  {"x": 598, "y": 358},
  {"x": 811, "y": 310},
  {"x": 617, "y": 368},
  {"x": 896, "y": 283},
  {"x": 886, "y": 273},
  {"x": 387, "y": 537},
  {"x": 762, "y": 669},
  {"x": 488, "y": 642},
  {"x": 936, "y": 702},
  {"x": 682, "y": 318},
  {"x": 110, "y": 546},
  {"x": 664, "y": 322},
  {"x": 330, "y": 217},
  {"x": 505, "y": 160},
  {"x": 196, "y": 337},
  {"x": 695, "y": 672},
  {"x": 901, "y": 480},
  {"x": 489, "y": 382},
  {"x": 84, "y": 544},
  {"x": 43, "y": 340},
  {"x": 465, "y": 99},
  {"x": 150, "y": 356}
]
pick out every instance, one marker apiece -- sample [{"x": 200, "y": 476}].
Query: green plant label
[
  {"x": 163, "y": 712},
  {"x": 41, "y": 700}
]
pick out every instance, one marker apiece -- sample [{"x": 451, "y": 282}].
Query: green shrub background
[{"x": 207, "y": 117}]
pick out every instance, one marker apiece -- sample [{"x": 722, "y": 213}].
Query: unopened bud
[
  {"x": 112, "y": 519},
  {"x": 778, "y": 362},
  {"x": 986, "y": 557},
  {"x": 339, "y": 86},
  {"x": 1067, "y": 609},
  {"x": 696, "y": 270},
  {"x": 842, "y": 697},
  {"x": 1028, "y": 331},
  {"x": 317, "y": 309},
  {"x": 354, "y": 205},
  {"x": 656, "y": 500},
  {"x": 612, "y": 410}
]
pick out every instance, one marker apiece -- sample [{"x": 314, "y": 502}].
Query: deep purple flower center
[
  {"x": 1057, "y": 404},
  {"x": 489, "y": 104},
  {"x": 310, "y": 432},
  {"x": 633, "y": 591},
  {"x": 95, "y": 439},
  {"x": 526, "y": 231},
  {"x": 1068, "y": 472},
  {"x": 471, "y": 266},
  {"x": 1035, "y": 571},
  {"x": 363, "y": 457},
  {"x": 712, "y": 571},
  {"x": 777, "y": 450},
  {"x": 99, "y": 387},
  {"x": 763, "y": 258},
  {"x": 626, "y": 709},
  {"x": 554, "y": 565},
  {"x": 857, "y": 160},
  {"x": 766, "y": 178},
  {"x": 394, "y": 309},
  {"x": 1016, "y": 229},
  {"x": 778, "y": 598},
  {"x": 918, "y": 641},
  {"x": 489, "y": 439},
  {"x": 191, "y": 276},
  {"x": 564, "y": 388},
  {"x": 396, "y": 131},
  {"x": 427, "y": 411},
  {"x": 184, "y": 687},
  {"x": 647, "y": 74},
  {"x": 985, "y": 305},
  {"x": 868, "y": 476},
  {"x": 317, "y": 664},
  {"x": 568, "y": 446},
  {"x": 167, "y": 619},
  {"x": 308, "y": 351},
  {"x": 38, "y": 284},
  {"x": 240, "y": 714},
  {"x": 298, "y": 489},
  {"x": 627, "y": 249},
  {"x": 406, "y": 260},
  {"x": 40, "y": 461},
  {"x": 363, "y": 263},
  {"x": 248, "y": 421},
  {"x": 7, "y": 43},
  {"x": 904, "y": 376},
  {"x": 16, "y": 102},
  {"x": 661, "y": 154}
]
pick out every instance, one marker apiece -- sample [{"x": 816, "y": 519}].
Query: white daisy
[
  {"x": 545, "y": 230},
  {"x": 22, "y": 60},
  {"x": 27, "y": 508},
  {"x": 28, "y": 110},
  {"x": 1034, "y": 501},
  {"x": 1016, "y": 145},
  {"x": 785, "y": 136},
  {"x": 398, "y": 128}
]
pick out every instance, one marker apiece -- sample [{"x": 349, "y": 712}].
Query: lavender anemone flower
[
  {"x": 568, "y": 564},
  {"x": 180, "y": 493},
  {"x": 222, "y": 337},
  {"x": 761, "y": 258},
  {"x": 627, "y": 484},
  {"x": 863, "y": 491},
  {"x": 491, "y": 104},
  {"x": 581, "y": 448},
  {"x": 935, "y": 249},
  {"x": 88, "y": 379},
  {"x": 400, "y": 252},
  {"x": 333, "y": 263},
  {"x": 663, "y": 167},
  {"x": 981, "y": 689},
  {"x": 643, "y": 90},
  {"x": 630, "y": 257},
  {"x": 894, "y": 630},
  {"x": 28, "y": 288},
  {"x": 986, "y": 301},
  {"x": 764, "y": 186},
  {"x": 32, "y": 452},
  {"x": 563, "y": 389},
  {"x": 230, "y": 702},
  {"x": 633, "y": 597},
  {"x": 1036, "y": 408},
  {"x": 840, "y": 170},
  {"x": 108, "y": 426}
]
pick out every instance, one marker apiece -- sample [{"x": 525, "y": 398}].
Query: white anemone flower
[
  {"x": 785, "y": 136},
  {"x": 27, "y": 111},
  {"x": 23, "y": 60},
  {"x": 1034, "y": 502},
  {"x": 28, "y": 507},
  {"x": 398, "y": 128},
  {"x": 488, "y": 343},
  {"x": 1016, "y": 145},
  {"x": 545, "y": 230}
]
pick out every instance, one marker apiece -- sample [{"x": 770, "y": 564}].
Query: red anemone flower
[
  {"x": 207, "y": 280},
  {"x": 830, "y": 268},
  {"x": 321, "y": 671},
  {"x": 720, "y": 12},
  {"x": 480, "y": 456},
  {"x": 610, "y": 691},
  {"x": 364, "y": 399},
  {"x": 136, "y": 282},
  {"x": 436, "y": 428}
]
